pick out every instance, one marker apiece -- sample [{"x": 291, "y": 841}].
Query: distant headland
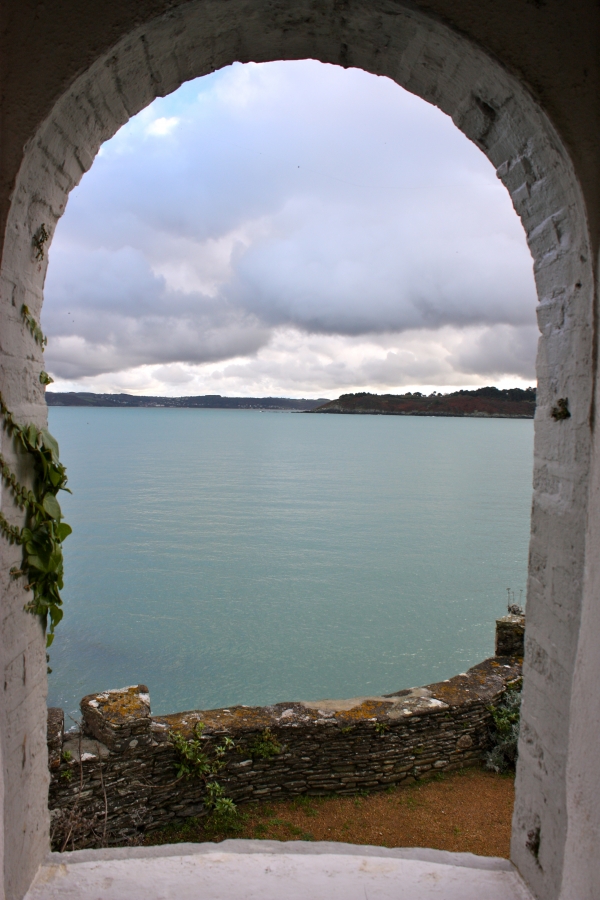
[
  {"x": 492, "y": 402},
  {"x": 485, "y": 402},
  {"x": 208, "y": 401}
]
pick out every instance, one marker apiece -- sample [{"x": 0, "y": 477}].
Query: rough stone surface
[
  {"x": 120, "y": 718},
  {"x": 55, "y": 736},
  {"x": 510, "y": 636},
  {"x": 118, "y": 778}
]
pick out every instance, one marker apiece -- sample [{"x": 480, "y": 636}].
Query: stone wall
[
  {"x": 510, "y": 635},
  {"x": 117, "y": 778}
]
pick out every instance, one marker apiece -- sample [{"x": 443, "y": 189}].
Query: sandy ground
[{"x": 468, "y": 811}]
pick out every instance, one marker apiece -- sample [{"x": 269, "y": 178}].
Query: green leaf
[
  {"x": 63, "y": 531},
  {"x": 56, "y": 615},
  {"x": 55, "y": 561},
  {"x": 52, "y": 506},
  {"x": 55, "y": 477},
  {"x": 51, "y": 444},
  {"x": 37, "y": 563},
  {"x": 31, "y": 435}
]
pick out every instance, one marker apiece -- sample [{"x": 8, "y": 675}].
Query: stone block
[
  {"x": 510, "y": 636},
  {"x": 119, "y": 718}
]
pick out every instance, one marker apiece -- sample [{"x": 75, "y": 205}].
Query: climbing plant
[
  {"x": 36, "y": 332},
  {"x": 194, "y": 761},
  {"x": 44, "y": 532}
]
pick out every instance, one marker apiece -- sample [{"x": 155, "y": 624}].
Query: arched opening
[
  {"x": 380, "y": 216},
  {"x": 492, "y": 109}
]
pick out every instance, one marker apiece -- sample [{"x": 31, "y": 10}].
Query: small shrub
[
  {"x": 217, "y": 801},
  {"x": 266, "y": 746},
  {"x": 504, "y": 735}
]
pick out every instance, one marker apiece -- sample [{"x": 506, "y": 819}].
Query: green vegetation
[
  {"x": 195, "y": 762},
  {"x": 44, "y": 531},
  {"x": 485, "y": 401},
  {"x": 32, "y": 326},
  {"x": 265, "y": 747},
  {"x": 506, "y": 716}
]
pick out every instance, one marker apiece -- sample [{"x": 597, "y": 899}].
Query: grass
[{"x": 467, "y": 811}]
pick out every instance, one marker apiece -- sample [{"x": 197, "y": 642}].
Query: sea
[{"x": 226, "y": 557}]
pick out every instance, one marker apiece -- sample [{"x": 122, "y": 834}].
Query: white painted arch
[{"x": 495, "y": 111}]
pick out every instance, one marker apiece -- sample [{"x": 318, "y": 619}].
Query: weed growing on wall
[
  {"x": 194, "y": 760},
  {"x": 39, "y": 239},
  {"x": 44, "y": 530},
  {"x": 505, "y": 732},
  {"x": 266, "y": 746}
]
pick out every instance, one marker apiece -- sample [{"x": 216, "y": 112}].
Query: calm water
[{"x": 227, "y": 557}]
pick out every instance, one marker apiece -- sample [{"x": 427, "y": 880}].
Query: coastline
[{"x": 429, "y": 412}]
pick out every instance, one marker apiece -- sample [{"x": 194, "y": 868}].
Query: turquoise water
[{"x": 226, "y": 557}]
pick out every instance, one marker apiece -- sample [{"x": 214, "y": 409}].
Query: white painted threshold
[{"x": 272, "y": 870}]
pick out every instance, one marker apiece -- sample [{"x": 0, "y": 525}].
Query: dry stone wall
[{"x": 117, "y": 777}]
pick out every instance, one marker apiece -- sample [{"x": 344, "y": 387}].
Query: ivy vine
[
  {"x": 36, "y": 332},
  {"x": 44, "y": 532}
]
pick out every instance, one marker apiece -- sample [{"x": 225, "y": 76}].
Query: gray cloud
[
  {"x": 290, "y": 198},
  {"x": 109, "y": 312},
  {"x": 498, "y": 350}
]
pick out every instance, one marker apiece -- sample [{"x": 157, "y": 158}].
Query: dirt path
[{"x": 466, "y": 811}]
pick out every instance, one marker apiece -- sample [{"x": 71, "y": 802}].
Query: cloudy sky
[{"x": 290, "y": 229}]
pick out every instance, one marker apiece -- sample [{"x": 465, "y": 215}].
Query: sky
[{"x": 289, "y": 229}]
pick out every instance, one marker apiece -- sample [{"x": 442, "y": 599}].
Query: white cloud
[
  {"x": 162, "y": 126},
  {"x": 295, "y": 364},
  {"x": 304, "y": 229}
]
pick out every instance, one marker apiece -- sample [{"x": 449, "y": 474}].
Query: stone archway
[{"x": 500, "y": 116}]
